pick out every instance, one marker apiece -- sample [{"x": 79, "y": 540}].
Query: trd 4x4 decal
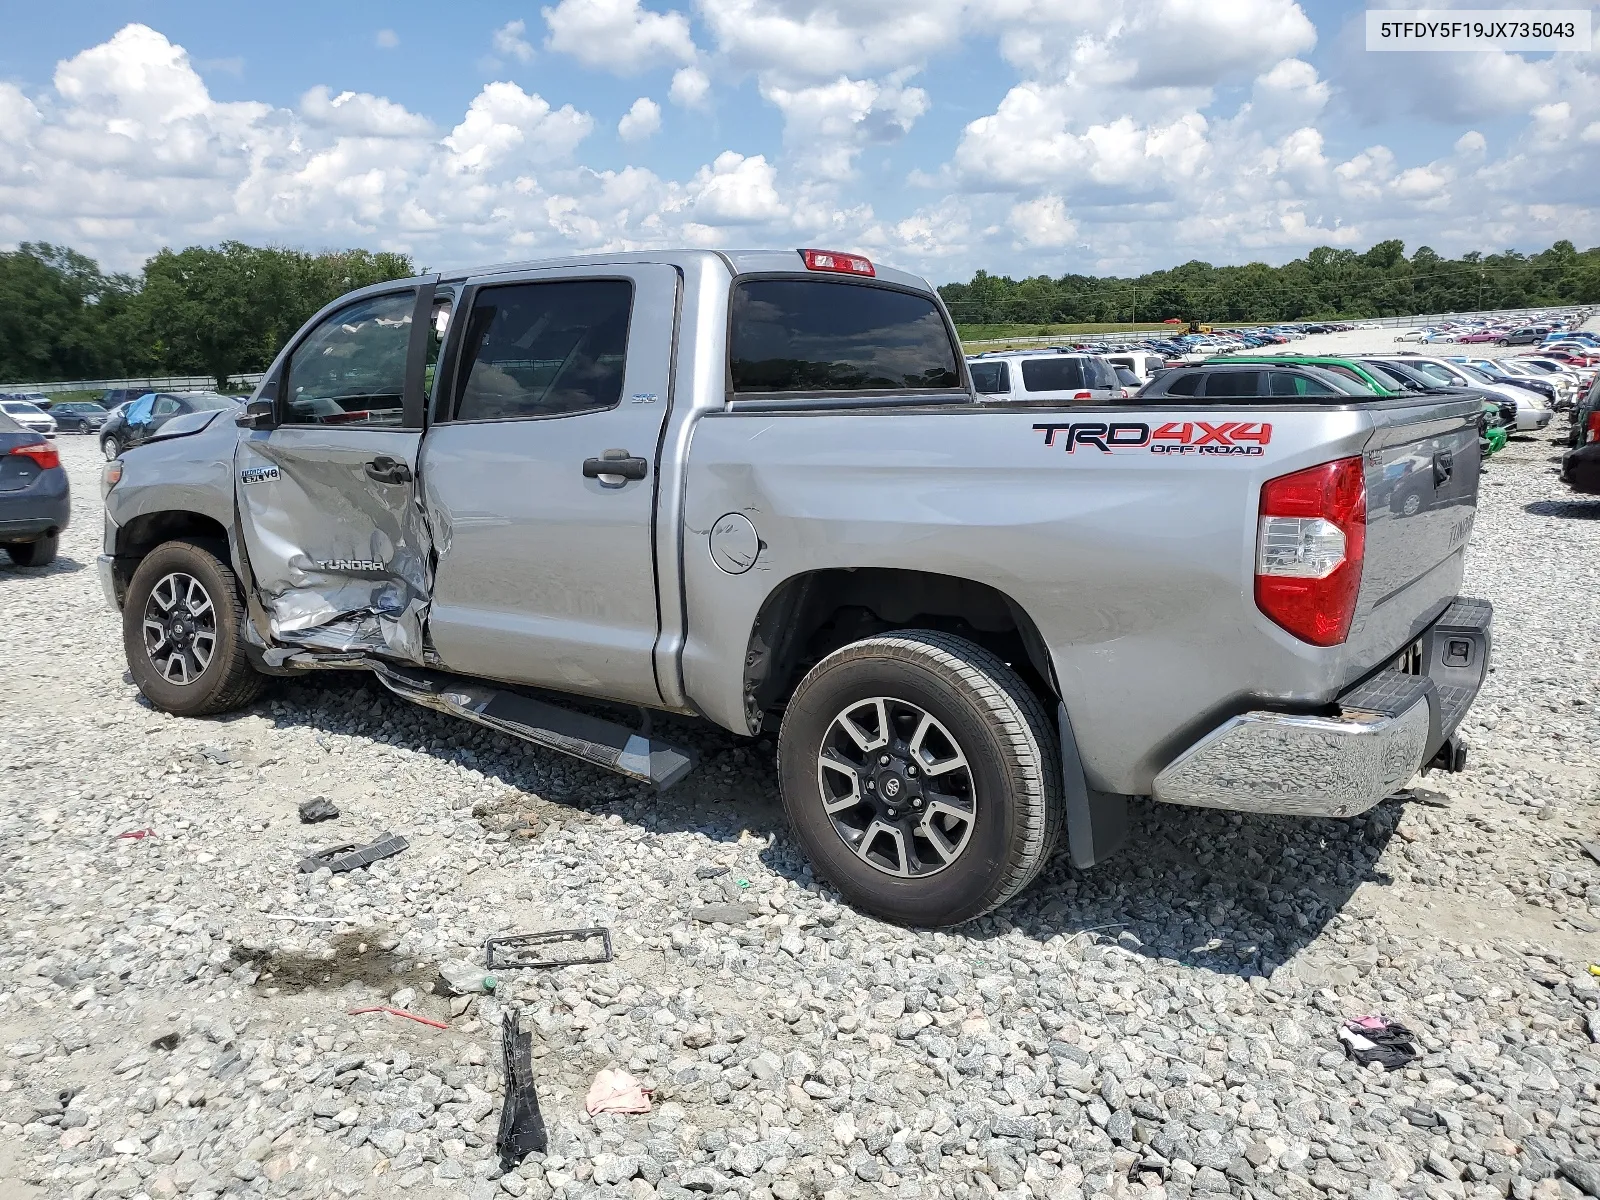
[{"x": 1175, "y": 437}]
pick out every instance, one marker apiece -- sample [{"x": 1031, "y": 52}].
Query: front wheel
[
  {"x": 181, "y": 632},
  {"x": 110, "y": 447},
  {"x": 922, "y": 777}
]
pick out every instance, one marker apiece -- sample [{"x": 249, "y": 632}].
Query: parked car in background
[
  {"x": 1531, "y": 415},
  {"x": 1412, "y": 335},
  {"x": 35, "y": 500},
  {"x": 1224, "y": 379},
  {"x": 1580, "y": 466},
  {"x": 1144, "y": 365},
  {"x": 26, "y": 413},
  {"x": 142, "y": 419},
  {"x": 1044, "y": 377},
  {"x": 117, "y": 396},
  {"x": 1528, "y": 335},
  {"x": 78, "y": 416}
]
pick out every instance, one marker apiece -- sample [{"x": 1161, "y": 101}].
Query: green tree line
[
  {"x": 205, "y": 310},
  {"x": 1325, "y": 284}
]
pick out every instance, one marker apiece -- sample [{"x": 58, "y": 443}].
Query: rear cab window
[
  {"x": 1052, "y": 374},
  {"x": 990, "y": 378},
  {"x": 811, "y": 337}
]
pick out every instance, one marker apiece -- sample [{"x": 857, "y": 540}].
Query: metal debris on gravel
[{"x": 173, "y": 1010}]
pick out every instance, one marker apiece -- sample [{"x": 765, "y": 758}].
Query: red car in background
[{"x": 1481, "y": 335}]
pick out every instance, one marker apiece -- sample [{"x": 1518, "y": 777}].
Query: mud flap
[
  {"x": 1097, "y": 822},
  {"x": 341, "y": 561}
]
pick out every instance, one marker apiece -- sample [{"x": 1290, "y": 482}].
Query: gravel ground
[{"x": 173, "y": 1009}]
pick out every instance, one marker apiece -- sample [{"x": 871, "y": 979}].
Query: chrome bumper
[
  {"x": 1390, "y": 726},
  {"x": 1307, "y": 766},
  {"x": 108, "y": 581}
]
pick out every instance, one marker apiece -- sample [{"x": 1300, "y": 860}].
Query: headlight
[{"x": 110, "y": 476}]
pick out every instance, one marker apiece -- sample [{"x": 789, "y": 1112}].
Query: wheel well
[
  {"x": 144, "y": 533},
  {"x": 809, "y": 616}
]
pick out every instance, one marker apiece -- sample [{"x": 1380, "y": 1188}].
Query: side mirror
[{"x": 258, "y": 414}]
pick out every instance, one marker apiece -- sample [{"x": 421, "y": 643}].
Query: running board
[{"x": 593, "y": 739}]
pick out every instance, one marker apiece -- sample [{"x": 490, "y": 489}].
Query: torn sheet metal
[{"x": 341, "y": 561}]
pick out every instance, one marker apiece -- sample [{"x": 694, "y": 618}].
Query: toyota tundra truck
[{"x": 758, "y": 489}]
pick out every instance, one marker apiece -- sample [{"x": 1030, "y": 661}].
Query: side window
[
  {"x": 1052, "y": 374},
  {"x": 139, "y": 411},
  {"x": 544, "y": 350},
  {"x": 990, "y": 378},
  {"x": 1228, "y": 384},
  {"x": 1184, "y": 385},
  {"x": 351, "y": 369},
  {"x": 815, "y": 335},
  {"x": 1287, "y": 383},
  {"x": 438, "y": 330},
  {"x": 165, "y": 406}
]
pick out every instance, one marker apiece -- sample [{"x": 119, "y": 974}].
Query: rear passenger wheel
[
  {"x": 921, "y": 776},
  {"x": 35, "y": 554},
  {"x": 110, "y": 447},
  {"x": 181, "y": 632}
]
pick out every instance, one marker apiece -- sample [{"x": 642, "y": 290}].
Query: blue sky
[{"x": 1021, "y": 136}]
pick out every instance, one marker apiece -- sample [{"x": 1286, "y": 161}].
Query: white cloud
[
  {"x": 735, "y": 190},
  {"x": 690, "y": 88},
  {"x": 827, "y": 125},
  {"x": 387, "y": 39},
  {"x": 792, "y": 41},
  {"x": 618, "y": 35},
  {"x": 361, "y": 113},
  {"x": 509, "y": 41},
  {"x": 505, "y": 124},
  {"x": 1044, "y": 222},
  {"x": 640, "y": 121}
]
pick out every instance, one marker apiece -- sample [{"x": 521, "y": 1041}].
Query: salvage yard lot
[{"x": 1161, "y": 1025}]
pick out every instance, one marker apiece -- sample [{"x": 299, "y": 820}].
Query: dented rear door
[{"x": 327, "y": 498}]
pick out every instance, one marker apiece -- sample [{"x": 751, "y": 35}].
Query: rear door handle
[
  {"x": 384, "y": 469},
  {"x": 615, "y": 467}
]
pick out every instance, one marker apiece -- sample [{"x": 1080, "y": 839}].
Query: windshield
[
  {"x": 1435, "y": 372},
  {"x": 1474, "y": 374},
  {"x": 1393, "y": 382}
]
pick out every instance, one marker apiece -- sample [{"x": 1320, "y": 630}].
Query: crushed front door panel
[{"x": 338, "y": 545}]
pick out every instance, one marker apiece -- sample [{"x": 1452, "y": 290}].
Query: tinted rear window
[
  {"x": 1052, "y": 374},
  {"x": 1184, "y": 385},
  {"x": 990, "y": 378},
  {"x": 1233, "y": 383},
  {"x": 813, "y": 335}
]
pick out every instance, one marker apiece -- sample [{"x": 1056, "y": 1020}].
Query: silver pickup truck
[{"x": 758, "y": 489}]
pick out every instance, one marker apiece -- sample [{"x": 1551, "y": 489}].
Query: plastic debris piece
[
  {"x": 1380, "y": 1040},
  {"x": 318, "y": 808},
  {"x": 522, "y": 1128},
  {"x": 709, "y": 872},
  {"x": 217, "y": 754},
  {"x": 1592, "y": 849},
  {"x": 136, "y": 834},
  {"x": 462, "y": 978},
  {"x": 1594, "y": 970},
  {"x": 167, "y": 1041},
  {"x": 350, "y": 855},
  {"x": 518, "y": 951},
  {"x": 615, "y": 1091},
  {"x": 399, "y": 1012}
]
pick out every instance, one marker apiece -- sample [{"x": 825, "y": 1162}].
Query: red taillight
[
  {"x": 43, "y": 453},
  {"x": 1594, "y": 427},
  {"x": 832, "y": 260},
  {"x": 1310, "y": 543}
]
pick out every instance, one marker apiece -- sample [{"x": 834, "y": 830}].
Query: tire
[
  {"x": 110, "y": 447},
  {"x": 35, "y": 554},
  {"x": 999, "y": 814},
  {"x": 173, "y": 667}
]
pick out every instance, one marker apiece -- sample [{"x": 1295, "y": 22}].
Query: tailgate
[{"x": 1422, "y": 465}]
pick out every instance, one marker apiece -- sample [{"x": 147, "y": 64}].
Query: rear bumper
[
  {"x": 1580, "y": 469},
  {"x": 1533, "y": 419},
  {"x": 1387, "y": 728},
  {"x": 42, "y": 507}
]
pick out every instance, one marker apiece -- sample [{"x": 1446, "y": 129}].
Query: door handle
[
  {"x": 384, "y": 469},
  {"x": 615, "y": 465}
]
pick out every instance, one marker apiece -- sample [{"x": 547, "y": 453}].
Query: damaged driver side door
[{"x": 327, "y": 497}]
